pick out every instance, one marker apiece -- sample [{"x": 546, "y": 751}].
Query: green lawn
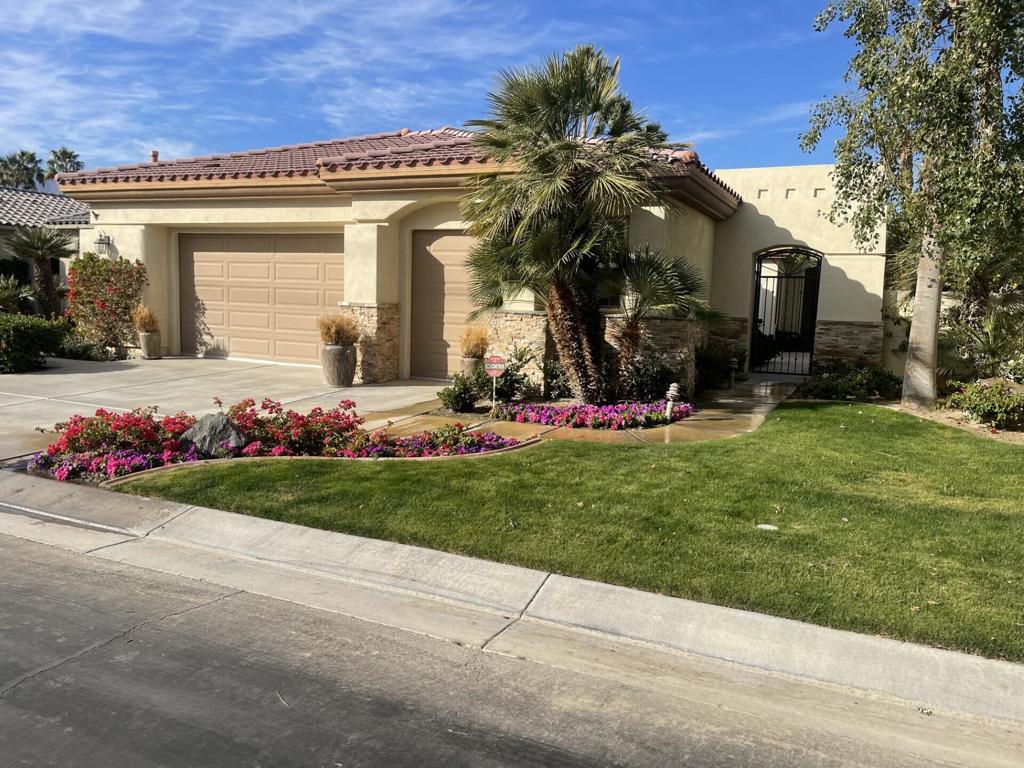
[{"x": 931, "y": 548}]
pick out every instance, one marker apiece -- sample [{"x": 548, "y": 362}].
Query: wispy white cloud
[{"x": 114, "y": 78}]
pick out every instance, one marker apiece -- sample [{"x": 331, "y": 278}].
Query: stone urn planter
[
  {"x": 149, "y": 343},
  {"x": 339, "y": 363},
  {"x": 470, "y": 365},
  {"x": 148, "y": 327}
]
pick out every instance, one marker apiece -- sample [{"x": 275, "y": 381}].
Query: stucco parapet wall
[{"x": 377, "y": 350}]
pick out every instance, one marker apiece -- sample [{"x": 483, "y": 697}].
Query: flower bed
[
  {"x": 108, "y": 445},
  {"x": 617, "y": 416}
]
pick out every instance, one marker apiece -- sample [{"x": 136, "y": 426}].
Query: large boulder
[{"x": 212, "y": 433}]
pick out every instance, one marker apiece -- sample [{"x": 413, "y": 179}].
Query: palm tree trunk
[
  {"x": 919, "y": 386},
  {"x": 46, "y": 290},
  {"x": 568, "y": 331}
]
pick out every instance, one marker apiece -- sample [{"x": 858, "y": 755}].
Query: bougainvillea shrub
[
  {"x": 273, "y": 430},
  {"x": 108, "y": 445},
  {"x": 101, "y": 296},
  {"x": 616, "y": 416}
]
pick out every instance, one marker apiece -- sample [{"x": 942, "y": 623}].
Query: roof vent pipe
[{"x": 154, "y": 155}]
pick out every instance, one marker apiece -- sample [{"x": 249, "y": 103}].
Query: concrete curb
[{"x": 474, "y": 602}]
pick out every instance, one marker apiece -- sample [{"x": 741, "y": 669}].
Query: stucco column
[{"x": 371, "y": 263}]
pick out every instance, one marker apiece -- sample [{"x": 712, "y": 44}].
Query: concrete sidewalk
[{"x": 485, "y": 605}]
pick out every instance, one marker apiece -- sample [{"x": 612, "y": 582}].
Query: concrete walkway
[{"x": 725, "y": 413}]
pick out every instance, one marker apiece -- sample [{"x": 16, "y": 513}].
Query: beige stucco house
[{"x": 245, "y": 250}]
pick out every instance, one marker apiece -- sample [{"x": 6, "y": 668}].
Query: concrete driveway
[{"x": 42, "y": 398}]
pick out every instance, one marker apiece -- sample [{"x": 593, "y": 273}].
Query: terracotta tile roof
[
  {"x": 23, "y": 208},
  {"x": 402, "y": 147},
  {"x": 440, "y": 146}
]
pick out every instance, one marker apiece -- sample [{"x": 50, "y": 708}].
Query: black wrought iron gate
[{"x": 786, "y": 287}]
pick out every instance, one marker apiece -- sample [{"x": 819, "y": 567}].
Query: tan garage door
[
  {"x": 258, "y": 296},
  {"x": 440, "y": 301}
]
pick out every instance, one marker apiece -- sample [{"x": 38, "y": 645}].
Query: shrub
[
  {"x": 101, "y": 296},
  {"x": 25, "y": 341},
  {"x": 461, "y": 395},
  {"x": 514, "y": 383},
  {"x": 74, "y": 347},
  {"x": 474, "y": 341},
  {"x": 556, "y": 382},
  {"x": 13, "y": 294},
  {"x": 145, "y": 320},
  {"x": 649, "y": 378},
  {"x": 338, "y": 330},
  {"x": 617, "y": 416},
  {"x": 840, "y": 380},
  {"x": 713, "y": 364},
  {"x": 995, "y": 403}
]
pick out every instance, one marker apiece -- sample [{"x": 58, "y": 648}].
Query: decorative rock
[{"x": 212, "y": 433}]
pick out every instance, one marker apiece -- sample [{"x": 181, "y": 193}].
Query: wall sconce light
[{"x": 103, "y": 244}]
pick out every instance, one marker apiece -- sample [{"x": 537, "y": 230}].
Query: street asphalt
[{"x": 105, "y": 664}]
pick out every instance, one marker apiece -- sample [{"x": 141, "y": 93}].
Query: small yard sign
[{"x": 494, "y": 366}]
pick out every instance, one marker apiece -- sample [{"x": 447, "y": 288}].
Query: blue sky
[{"x": 115, "y": 78}]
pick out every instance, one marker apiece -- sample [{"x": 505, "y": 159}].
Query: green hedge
[{"x": 25, "y": 340}]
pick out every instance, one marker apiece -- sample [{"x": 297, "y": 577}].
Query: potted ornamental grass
[
  {"x": 339, "y": 334},
  {"x": 473, "y": 342},
  {"x": 148, "y": 326}
]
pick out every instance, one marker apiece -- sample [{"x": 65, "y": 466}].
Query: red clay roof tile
[{"x": 439, "y": 146}]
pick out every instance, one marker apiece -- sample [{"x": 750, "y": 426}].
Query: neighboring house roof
[
  {"x": 398, "y": 149},
  {"x": 24, "y": 208}
]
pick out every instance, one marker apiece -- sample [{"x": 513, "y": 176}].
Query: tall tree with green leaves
[
  {"x": 931, "y": 141},
  {"x": 40, "y": 245},
  {"x": 576, "y": 159},
  {"x": 63, "y": 160},
  {"x": 21, "y": 170}
]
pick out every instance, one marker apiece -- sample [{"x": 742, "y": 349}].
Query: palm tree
[
  {"x": 40, "y": 245},
  {"x": 648, "y": 283},
  {"x": 576, "y": 159},
  {"x": 63, "y": 160},
  {"x": 21, "y": 170},
  {"x": 12, "y": 293}
]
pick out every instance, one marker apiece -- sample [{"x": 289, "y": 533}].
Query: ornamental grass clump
[
  {"x": 575, "y": 415},
  {"x": 338, "y": 330},
  {"x": 474, "y": 342},
  {"x": 145, "y": 319}
]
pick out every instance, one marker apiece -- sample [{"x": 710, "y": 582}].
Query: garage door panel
[
  {"x": 249, "y": 320},
  {"x": 255, "y": 347},
  {"x": 298, "y": 297},
  {"x": 215, "y": 294},
  {"x": 238, "y": 294},
  {"x": 209, "y": 269},
  {"x": 248, "y": 270},
  {"x": 258, "y": 296},
  {"x": 295, "y": 351},
  {"x": 284, "y": 321}
]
